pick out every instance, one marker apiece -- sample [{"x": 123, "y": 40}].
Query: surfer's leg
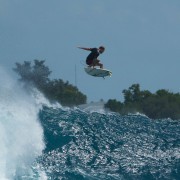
[
  {"x": 96, "y": 62},
  {"x": 101, "y": 65}
]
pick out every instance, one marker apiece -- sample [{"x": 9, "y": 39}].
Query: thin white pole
[{"x": 75, "y": 76}]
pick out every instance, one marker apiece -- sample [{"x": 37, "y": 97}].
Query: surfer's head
[{"x": 101, "y": 49}]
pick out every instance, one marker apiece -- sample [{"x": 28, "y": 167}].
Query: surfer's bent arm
[{"x": 87, "y": 49}]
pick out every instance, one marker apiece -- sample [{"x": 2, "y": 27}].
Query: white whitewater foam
[
  {"x": 93, "y": 107},
  {"x": 41, "y": 100},
  {"x": 21, "y": 135}
]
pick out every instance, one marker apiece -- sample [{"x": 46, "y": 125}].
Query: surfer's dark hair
[{"x": 101, "y": 47}]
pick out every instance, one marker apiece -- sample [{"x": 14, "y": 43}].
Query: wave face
[
  {"x": 90, "y": 145},
  {"x": 21, "y": 135}
]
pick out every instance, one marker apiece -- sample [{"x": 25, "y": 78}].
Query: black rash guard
[{"x": 93, "y": 55}]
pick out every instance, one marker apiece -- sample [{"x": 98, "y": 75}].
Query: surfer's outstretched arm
[{"x": 87, "y": 49}]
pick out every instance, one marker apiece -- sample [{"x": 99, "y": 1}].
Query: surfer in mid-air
[{"x": 91, "y": 59}]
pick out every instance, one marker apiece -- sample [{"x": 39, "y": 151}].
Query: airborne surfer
[{"x": 91, "y": 59}]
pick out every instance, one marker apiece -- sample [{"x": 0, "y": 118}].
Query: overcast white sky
[{"x": 142, "y": 40}]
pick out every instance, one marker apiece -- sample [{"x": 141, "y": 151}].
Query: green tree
[
  {"x": 54, "y": 90},
  {"x": 132, "y": 94},
  {"x": 37, "y": 74},
  {"x": 40, "y": 73},
  {"x": 24, "y": 71},
  {"x": 162, "y": 104},
  {"x": 114, "y": 105}
]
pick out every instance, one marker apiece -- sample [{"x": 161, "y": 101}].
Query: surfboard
[{"x": 97, "y": 72}]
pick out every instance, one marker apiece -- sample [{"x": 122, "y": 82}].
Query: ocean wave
[{"x": 45, "y": 141}]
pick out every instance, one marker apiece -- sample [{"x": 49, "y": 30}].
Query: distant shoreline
[{"x": 159, "y": 105}]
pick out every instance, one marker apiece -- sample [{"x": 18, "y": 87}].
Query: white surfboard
[{"x": 97, "y": 72}]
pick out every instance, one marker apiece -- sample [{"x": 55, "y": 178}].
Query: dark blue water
[{"x": 93, "y": 146}]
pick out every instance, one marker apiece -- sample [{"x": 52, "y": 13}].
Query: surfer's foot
[{"x": 91, "y": 66}]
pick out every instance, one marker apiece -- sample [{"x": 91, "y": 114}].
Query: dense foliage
[
  {"x": 55, "y": 90},
  {"x": 161, "y": 104}
]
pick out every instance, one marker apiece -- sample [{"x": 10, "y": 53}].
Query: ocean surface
[
  {"x": 41, "y": 141},
  {"x": 92, "y": 145}
]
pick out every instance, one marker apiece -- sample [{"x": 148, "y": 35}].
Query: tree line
[
  {"x": 161, "y": 104},
  {"x": 158, "y": 105},
  {"x": 37, "y": 75}
]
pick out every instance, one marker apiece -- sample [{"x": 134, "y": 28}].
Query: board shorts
[
  {"x": 92, "y": 61},
  {"x": 89, "y": 61}
]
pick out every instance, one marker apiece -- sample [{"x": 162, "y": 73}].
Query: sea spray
[{"x": 21, "y": 135}]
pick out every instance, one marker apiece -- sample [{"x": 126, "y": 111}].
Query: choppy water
[{"x": 84, "y": 145}]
